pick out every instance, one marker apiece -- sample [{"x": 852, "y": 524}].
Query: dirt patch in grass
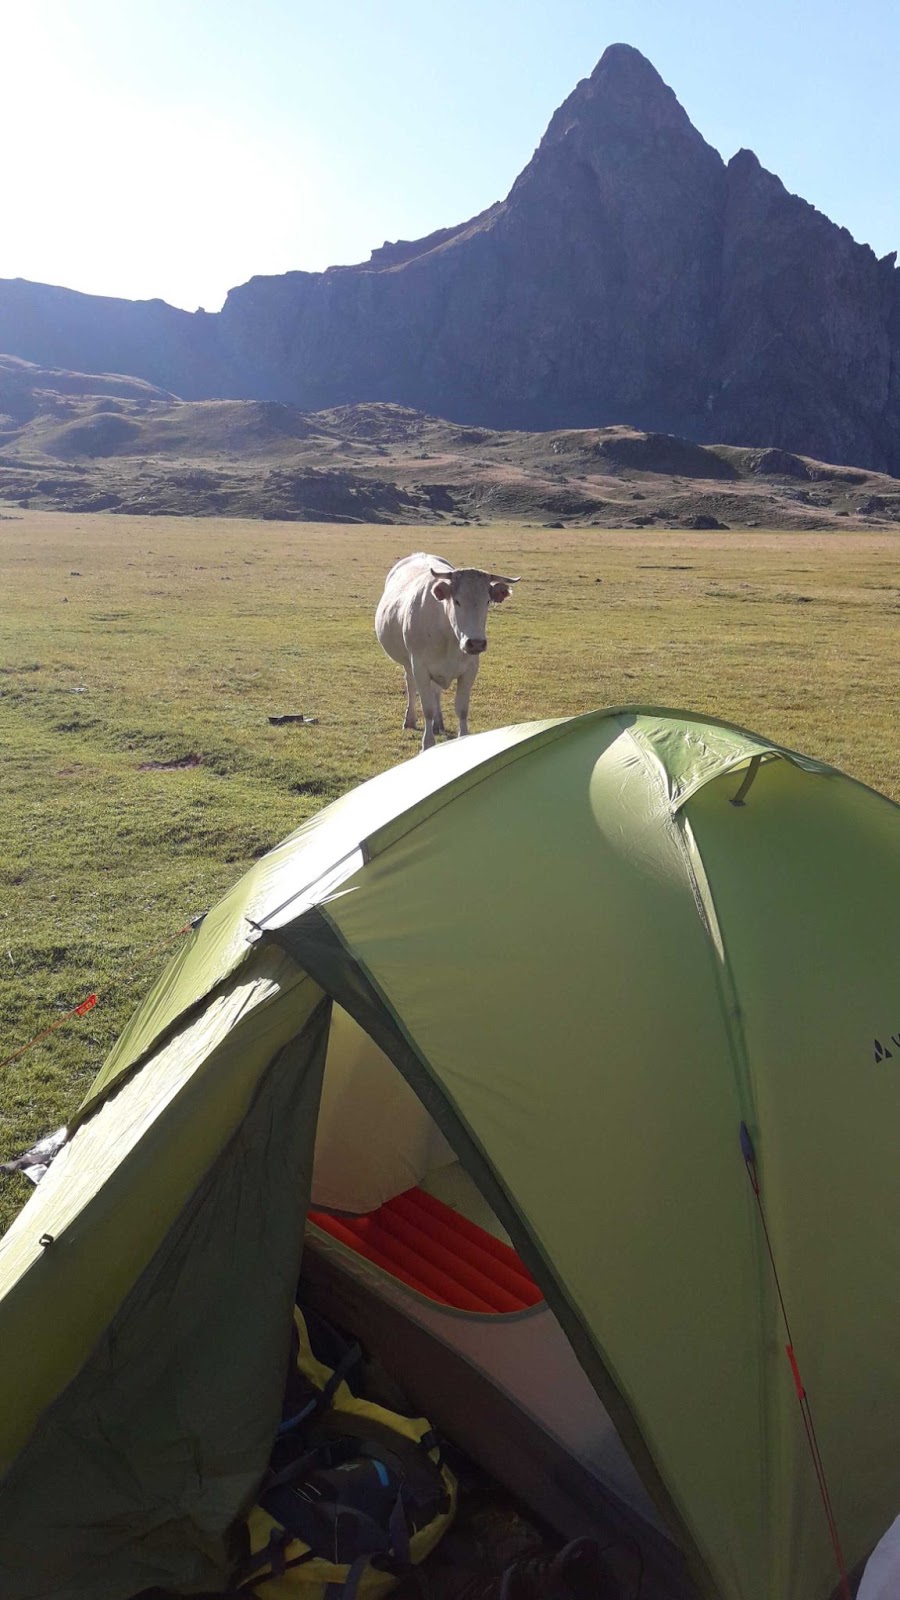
[{"x": 182, "y": 764}]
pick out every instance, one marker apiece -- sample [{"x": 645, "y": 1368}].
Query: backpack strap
[
  {"x": 398, "y": 1532},
  {"x": 294, "y": 1469},
  {"x": 272, "y": 1555},
  {"x": 318, "y": 1524},
  {"x": 400, "y": 1567},
  {"x": 349, "y": 1588},
  {"x": 323, "y": 1398}
]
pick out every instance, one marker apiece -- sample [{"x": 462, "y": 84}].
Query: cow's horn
[{"x": 496, "y": 578}]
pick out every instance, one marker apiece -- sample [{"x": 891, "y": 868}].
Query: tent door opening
[{"x": 400, "y": 1243}]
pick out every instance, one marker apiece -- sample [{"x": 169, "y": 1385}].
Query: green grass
[{"x": 186, "y": 634}]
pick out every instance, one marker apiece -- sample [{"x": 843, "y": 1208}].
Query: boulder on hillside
[{"x": 778, "y": 464}]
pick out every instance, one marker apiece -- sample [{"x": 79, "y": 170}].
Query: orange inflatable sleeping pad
[{"x": 430, "y": 1247}]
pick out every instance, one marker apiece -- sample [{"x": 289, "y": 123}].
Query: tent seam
[
  {"x": 704, "y": 905},
  {"x": 728, "y": 997},
  {"x": 501, "y": 762}
]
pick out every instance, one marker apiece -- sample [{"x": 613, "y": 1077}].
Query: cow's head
[{"x": 465, "y": 594}]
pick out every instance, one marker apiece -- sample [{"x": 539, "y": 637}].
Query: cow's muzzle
[{"x": 476, "y": 647}]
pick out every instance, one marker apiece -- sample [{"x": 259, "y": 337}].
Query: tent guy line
[
  {"x": 749, "y": 1154},
  {"x": 93, "y": 999}
]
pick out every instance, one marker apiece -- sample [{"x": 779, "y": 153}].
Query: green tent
[{"x": 593, "y": 948}]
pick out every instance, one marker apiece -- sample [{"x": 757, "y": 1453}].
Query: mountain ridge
[{"x": 630, "y": 276}]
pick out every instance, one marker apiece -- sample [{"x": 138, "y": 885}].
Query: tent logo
[{"x": 883, "y": 1052}]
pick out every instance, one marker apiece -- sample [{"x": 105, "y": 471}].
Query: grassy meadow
[{"x": 130, "y": 645}]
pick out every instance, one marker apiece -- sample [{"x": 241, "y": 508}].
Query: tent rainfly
[{"x": 565, "y": 961}]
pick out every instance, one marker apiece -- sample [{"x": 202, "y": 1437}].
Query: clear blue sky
[{"x": 176, "y": 147}]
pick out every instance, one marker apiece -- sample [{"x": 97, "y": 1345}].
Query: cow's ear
[
  {"x": 500, "y": 592},
  {"x": 441, "y": 589}
]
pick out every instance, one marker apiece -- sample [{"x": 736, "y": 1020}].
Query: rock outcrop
[{"x": 630, "y": 277}]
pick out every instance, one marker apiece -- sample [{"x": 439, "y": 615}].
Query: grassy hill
[{"x": 80, "y": 442}]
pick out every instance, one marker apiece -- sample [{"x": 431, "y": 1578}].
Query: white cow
[{"x": 431, "y": 619}]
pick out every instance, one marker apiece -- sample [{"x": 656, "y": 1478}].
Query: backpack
[{"x": 356, "y": 1495}]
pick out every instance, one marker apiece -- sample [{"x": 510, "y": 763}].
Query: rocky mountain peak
[
  {"x": 623, "y": 97},
  {"x": 744, "y": 164},
  {"x": 628, "y": 277}
]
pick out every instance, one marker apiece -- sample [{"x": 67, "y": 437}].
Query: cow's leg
[
  {"x": 439, "y": 719},
  {"x": 410, "y": 720},
  {"x": 463, "y": 690},
  {"x": 429, "y": 695}
]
